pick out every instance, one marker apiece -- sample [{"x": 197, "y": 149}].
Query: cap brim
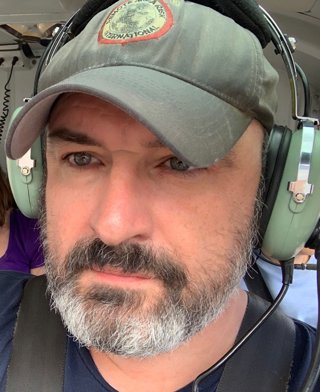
[{"x": 165, "y": 104}]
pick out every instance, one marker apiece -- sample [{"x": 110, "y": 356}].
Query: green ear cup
[
  {"x": 293, "y": 219},
  {"x": 25, "y": 177}
]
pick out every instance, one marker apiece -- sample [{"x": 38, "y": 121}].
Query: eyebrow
[
  {"x": 67, "y": 135},
  {"x": 154, "y": 144}
]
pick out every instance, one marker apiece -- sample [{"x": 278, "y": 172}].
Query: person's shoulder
[
  {"x": 305, "y": 334},
  {"x": 8, "y": 278},
  {"x": 11, "y": 286},
  {"x": 11, "y": 289},
  {"x": 304, "y": 346}
]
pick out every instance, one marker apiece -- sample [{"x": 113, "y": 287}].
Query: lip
[{"x": 117, "y": 276}]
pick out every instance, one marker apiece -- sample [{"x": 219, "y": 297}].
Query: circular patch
[{"x": 136, "y": 20}]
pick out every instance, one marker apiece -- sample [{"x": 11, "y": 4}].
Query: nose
[{"x": 122, "y": 211}]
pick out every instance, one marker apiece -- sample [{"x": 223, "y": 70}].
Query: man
[{"x": 153, "y": 146}]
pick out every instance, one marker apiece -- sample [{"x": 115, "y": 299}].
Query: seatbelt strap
[
  {"x": 39, "y": 344},
  {"x": 264, "y": 362}
]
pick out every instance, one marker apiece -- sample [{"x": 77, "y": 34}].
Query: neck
[{"x": 171, "y": 371}]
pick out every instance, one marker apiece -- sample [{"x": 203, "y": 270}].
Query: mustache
[{"x": 129, "y": 258}]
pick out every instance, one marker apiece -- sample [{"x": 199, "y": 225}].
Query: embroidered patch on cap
[{"x": 136, "y": 20}]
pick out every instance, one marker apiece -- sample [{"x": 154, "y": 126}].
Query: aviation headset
[{"x": 292, "y": 183}]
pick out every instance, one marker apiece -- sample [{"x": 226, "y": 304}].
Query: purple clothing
[{"x": 24, "y": 249}]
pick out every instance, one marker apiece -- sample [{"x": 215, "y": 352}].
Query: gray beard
[{"x": 114, "y": 320}]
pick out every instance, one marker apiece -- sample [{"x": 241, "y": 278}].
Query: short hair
[{"x": 6, "y": 197}]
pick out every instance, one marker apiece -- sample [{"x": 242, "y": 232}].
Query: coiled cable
[{"x": 6, "y": 99}]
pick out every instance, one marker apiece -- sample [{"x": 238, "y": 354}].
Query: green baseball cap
[{"x": 192, "y": 76}]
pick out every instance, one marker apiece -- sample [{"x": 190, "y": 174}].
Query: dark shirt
[{"x": 81, "y": 374}]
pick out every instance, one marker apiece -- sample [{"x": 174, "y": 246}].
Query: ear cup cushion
[{"x": 276, "y": 156}]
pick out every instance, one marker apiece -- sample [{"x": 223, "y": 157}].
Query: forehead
[{"x": 98, "y": 119}]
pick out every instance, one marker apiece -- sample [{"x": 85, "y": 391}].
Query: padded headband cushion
[{"x": 87, "y": 12}]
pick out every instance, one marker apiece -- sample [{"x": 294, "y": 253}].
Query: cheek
[
  {"x": 203, "y": 230},
  {"x": 197, "y": 226},
  {"x": 67, "y": 213}
]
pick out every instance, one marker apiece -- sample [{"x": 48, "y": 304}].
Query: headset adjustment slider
[
  {"x": 301, "y": 187},
  {"x": 26, "y": 163}
]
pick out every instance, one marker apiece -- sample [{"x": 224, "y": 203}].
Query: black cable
[
  {"x": 57, "y": 41},
  {"x": 306, "y": 91},
  {"x": 314, "y": 370},
  {"x": 6, "y": 99},
  {"x": 287, "y": 273},
  {"x": 306, "y": 267}
]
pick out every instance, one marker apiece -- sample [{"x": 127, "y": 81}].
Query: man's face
[{"x": 142, "y": 250}]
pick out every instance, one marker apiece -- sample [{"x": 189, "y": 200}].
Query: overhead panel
[
  {"x": 17, "y": 11},
  {"x": 287, "y": 7}
]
